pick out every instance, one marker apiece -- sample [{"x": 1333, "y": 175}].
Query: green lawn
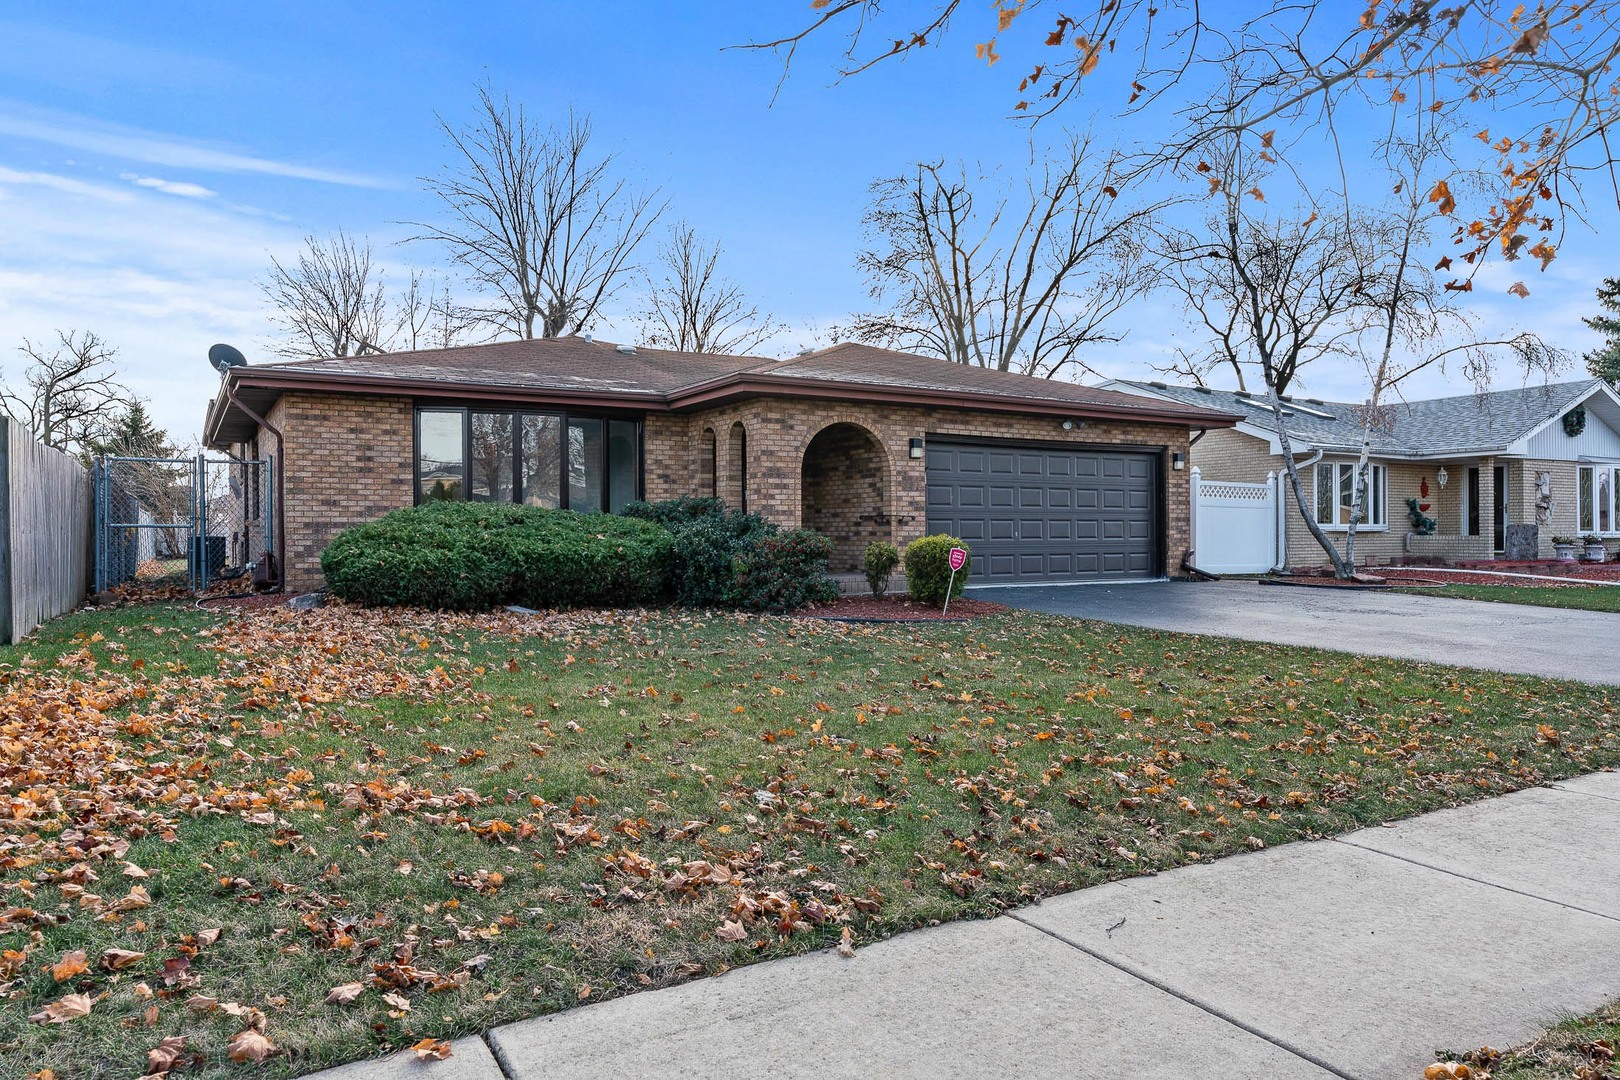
[
  {"x": 1582, "y": 597},
  {"x": 467, "y": 820}
]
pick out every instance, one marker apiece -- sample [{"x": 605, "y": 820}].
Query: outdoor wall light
[
  {"x": 1178, "y": 461},
  {"x": 916, "y": 448},
  {"x": 1070, "y": 425},
  {"x": 1441, "y": 477}
]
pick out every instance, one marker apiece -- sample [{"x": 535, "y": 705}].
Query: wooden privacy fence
[{"x": 45, "y": 523}]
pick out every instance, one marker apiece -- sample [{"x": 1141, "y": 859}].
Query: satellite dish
[{"x": 224, "y": 357}]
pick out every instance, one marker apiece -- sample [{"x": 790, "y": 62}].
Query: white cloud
[
  {"x": 181, "y": 188},
  {"x": 156, "y": 148},
  {"x": 64, "y": 184}
]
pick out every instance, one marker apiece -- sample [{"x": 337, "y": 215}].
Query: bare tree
[
  {"x": 426, "y": 317},
  {"x": 1276, "y": 294},
  {"x": 1535, "y": 82},
  {"x": 694, "y": 309},
  {"x": 69, "y": 395},
  {"x": 538, "y": 221},
  {"x": 330, "y": 301},
  {"x": 1018, "y": 285}
]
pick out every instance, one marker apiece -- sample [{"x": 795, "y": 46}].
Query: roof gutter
[{"x": 280, "y": 493}]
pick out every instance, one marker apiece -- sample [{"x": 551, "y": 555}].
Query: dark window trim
[{"x": 517, "y": 414}]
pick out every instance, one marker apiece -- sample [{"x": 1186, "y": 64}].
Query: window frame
[
  {"x": 1586, "y": 487},
  {"x": 1377, "y": 482},
  {"x": 517, "y": 414}
]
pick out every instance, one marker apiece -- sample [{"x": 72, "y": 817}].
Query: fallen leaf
[
  {"x": 161, "y": 1058},
  {"x": 68, "y": 1008},
  {"x": 71, "y": 964},
  {"x": 846, "y": 944},
  {"x": 343, "y": 995},
  {"x": 731, "y": 930},
  {"x": 431, "y": 1049},
  {"x": 119, "y": 959},
  {"x": 250, "y": 1046}
]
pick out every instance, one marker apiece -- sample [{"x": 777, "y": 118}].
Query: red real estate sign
[{"x": 958, "y": 559}]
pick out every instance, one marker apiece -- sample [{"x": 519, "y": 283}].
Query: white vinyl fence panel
[
  {"x": 45, "y": 527},
  {"x": 1235, "y": 526}
]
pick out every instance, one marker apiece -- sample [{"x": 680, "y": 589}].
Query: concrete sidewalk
[{"x": 1354, "y": 957}]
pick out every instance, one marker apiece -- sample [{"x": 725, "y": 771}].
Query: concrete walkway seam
[
  {"x": 1577, "y": 791},
  {"x": 1475, "y": 880},
  {"x": 495, "y": 1052},
  {"x": 1158, "y": 984}
]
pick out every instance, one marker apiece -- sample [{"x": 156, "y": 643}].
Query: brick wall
[
  {"x": 779, "y": 431},
  {"x": 348, "y": 462},
  {"x": 845, "y": 474}
]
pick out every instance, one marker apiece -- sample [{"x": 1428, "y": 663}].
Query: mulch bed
[
  {"x": 1395, "y": 577},
  {"x": 898, "y": 609}
]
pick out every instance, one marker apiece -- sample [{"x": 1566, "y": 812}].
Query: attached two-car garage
[{"x": 1035, "y": 513}]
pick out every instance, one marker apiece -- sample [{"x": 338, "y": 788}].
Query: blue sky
[{"x": 153, "y": 157}]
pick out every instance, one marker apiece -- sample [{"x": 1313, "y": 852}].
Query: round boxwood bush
[
  {"x": 470, "y": 556},
  {"x": 879, "y": 560},
  {"x": 928, "y": 569}
]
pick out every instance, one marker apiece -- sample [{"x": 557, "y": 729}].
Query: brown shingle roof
[{"x": 598, "y": 374}]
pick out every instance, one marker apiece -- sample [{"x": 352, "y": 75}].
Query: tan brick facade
[
  {"x": 780, "y": 430},
  {"x": 349, "y": 460}
]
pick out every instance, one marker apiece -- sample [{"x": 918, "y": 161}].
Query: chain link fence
[{"x": 197, "y": 522}]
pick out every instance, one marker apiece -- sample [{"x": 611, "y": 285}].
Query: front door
[{"x": 1499, "y": 498}]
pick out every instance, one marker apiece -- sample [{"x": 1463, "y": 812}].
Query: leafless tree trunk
[
  {"x": 1275, "y": 294},
  {"x": 330, "y": 301},
  {"x": 1022, "y": 287},
  {"x": 537, "y": 220},
  {"x": 694, "y": 309},
  {"x": 69, "y": 395}
]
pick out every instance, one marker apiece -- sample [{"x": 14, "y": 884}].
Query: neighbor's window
[
  {"x": 1597, "y": 499},
  {"x": 1335, "y": 495},
  {"x": 539, "y": 459},
  {"x": 441, "y": 454}
]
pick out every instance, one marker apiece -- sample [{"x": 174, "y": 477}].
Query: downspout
[
  {"x": 1282, "y": 508},
  {"x": 280, "y": 509}
]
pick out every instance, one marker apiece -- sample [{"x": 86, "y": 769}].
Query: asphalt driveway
[{"x": 1581, "y": 645}]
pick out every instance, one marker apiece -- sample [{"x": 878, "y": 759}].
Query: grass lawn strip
[
  {"x": 1582, "y": 1048},
  {"x": 1575, "y": 597},
  {"x": 409, "y": 827}
]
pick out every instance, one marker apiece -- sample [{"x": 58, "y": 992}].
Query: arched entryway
[{"x": 844, "y": 486}]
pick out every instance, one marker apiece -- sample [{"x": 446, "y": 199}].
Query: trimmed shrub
[
  {"x": 708, "y": 541},
  {"x": 783, "y": 572},
  {"x": 879, "y": 561},
  {"x": 471, "y": 556},
  {"x": 928, "y": 569},
  {"x": 673, "y": 513}
]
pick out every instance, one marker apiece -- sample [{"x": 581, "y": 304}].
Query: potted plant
[
  {"x": 1595, "y": 552},
  {"x": 1564, "y": 548}
]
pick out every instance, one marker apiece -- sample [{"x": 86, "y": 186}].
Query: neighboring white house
[{"x": 1479, "y": 465}]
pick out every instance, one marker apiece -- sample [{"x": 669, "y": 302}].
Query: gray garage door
[{"x": 1040, "y": 514}]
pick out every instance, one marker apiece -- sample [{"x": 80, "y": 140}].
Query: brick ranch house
[
  {"x": 1501, "y": 473},
  {"x": 1048, "y": 481}
]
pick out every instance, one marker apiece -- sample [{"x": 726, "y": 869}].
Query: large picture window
[
  {"x": 1597, "y": 499},
  {"x": 551, "y": 460},
  {"x": 1335, "y": 496}
]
